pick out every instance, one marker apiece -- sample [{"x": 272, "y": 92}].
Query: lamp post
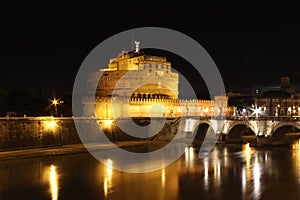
[{"x": 56, "y": 102}]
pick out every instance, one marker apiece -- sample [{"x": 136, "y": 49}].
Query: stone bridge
[{"x": 263, "y": 130}]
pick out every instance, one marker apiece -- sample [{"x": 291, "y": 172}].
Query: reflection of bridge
[{"x": 265, "y": 130}]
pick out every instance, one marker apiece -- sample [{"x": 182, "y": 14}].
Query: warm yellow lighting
[
  {"x": 105, "y": 187},
  {"x": 54, "y": 102},
  {"x": 247, "y": 152},
  {"x": 109, "y": 168},
  {"x": 296, "y": 157},
  {"x": 50, "y": 125},
  {"x": 186, "y": 154},
  {"x": 107, "y": 123},
  {"x": 191, "y": 153},
  {"x": 53, "y": 181},
  {"x": 108, "y": 176},
  {"x": 157, "y": 111},
  {"x": 296, "y": 145},
  {"x": 163, "y": 178}
]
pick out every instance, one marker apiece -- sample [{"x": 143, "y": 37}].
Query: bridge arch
[
  {"x": 282, "y": 128},
  {"x": 241, "y": 131},
  {"x": 201, "y": 129}
]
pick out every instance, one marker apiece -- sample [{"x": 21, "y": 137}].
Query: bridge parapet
[{"x": 259, "y": 126}]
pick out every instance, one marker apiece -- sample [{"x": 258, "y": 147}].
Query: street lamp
[{"x": 56, "y": 102}]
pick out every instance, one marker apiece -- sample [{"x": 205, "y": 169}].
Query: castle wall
[{"x": 136, "y": 107}]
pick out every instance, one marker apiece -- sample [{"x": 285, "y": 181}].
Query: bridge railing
[
  {"x": 272, "y": 118},
  {"x": 246, "y": 118}
]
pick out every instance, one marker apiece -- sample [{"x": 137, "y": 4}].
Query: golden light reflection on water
[
  {"x": 189, "y": 157},
  {"x": 244, "y": 180},
  {"x": 296, "y": 157},
  {"x": 206, "y": 182},
  {"x": 256, "y": 179},
  {"x": 296, "y": 145},
  {"x": 53, "y": 182},
  {"x": 247, "y": 153},
  {"x": 251, "y": 172},
  {"x": 217, "y": 168},
  {"x": 116, "y": 184},
  {"x": 225, "y": 157},
  {"x": 212, "y": 170},
  {"x": 163, "y": 178},
  {"x": 107, "y": 184}
]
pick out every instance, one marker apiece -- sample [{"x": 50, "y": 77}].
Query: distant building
[
  {"x": 150, "y": 85},
  {"x": 273, "y": 100},
  {"x": 282, "y": 102}
]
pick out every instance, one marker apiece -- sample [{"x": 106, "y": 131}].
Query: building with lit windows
[
  {"x": 150, "y": 85},
  {"x": 272, "y": 100}
]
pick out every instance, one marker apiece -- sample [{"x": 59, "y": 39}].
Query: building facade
[
  {"x": 268, "y": 100},
  {"x": 135, "y": 84}
]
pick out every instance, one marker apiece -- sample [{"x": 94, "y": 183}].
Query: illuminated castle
[{"x": 143, "y": 85}]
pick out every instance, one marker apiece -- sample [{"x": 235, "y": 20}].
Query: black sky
[{"x": 42, "y": 47}]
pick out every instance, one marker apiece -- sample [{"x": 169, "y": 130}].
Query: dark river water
[{"x": 228, "y": 172}]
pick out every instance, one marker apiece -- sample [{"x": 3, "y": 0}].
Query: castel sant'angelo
[{"x": 138, "y": 85}]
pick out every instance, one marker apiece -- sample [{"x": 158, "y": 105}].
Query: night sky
[{"x": 42, "y": 47}]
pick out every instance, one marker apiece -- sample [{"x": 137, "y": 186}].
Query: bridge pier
[{"x": 262, "y": 141}]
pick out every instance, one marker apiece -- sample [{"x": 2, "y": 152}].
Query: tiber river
[{"x": 229, "y": 172}]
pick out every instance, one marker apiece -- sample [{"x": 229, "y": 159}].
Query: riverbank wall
[
  {"x": 29, "y": 132},
  {"x": 37, "y": 132}
]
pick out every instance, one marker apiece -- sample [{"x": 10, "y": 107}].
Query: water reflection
[
  {"x": 189, "y": 158},
  {"x": 206, "y": 183},
  {"x": 256, "y": 180},
  {"x": 53, "y": 182},
  {"x": 107, "y": 183},
  {"x": 228, "y": 172},
  {"x": 249, "y": 176},
  {"x": 225, "y": 157},
  {"x": 296, "y": 157},
  {"x": 244, "y": 181},
  {"x": 212, "y": 172},
  {"x": 248, "y": 153},
  {"x": 163, "y": 178}
]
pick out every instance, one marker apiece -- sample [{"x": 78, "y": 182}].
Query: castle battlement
[
  {"x": 141, "y": 107},
  {"x": 135, "y": 84}
]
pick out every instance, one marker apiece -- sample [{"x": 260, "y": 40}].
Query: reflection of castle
[{"x": 149, "y": 84}]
